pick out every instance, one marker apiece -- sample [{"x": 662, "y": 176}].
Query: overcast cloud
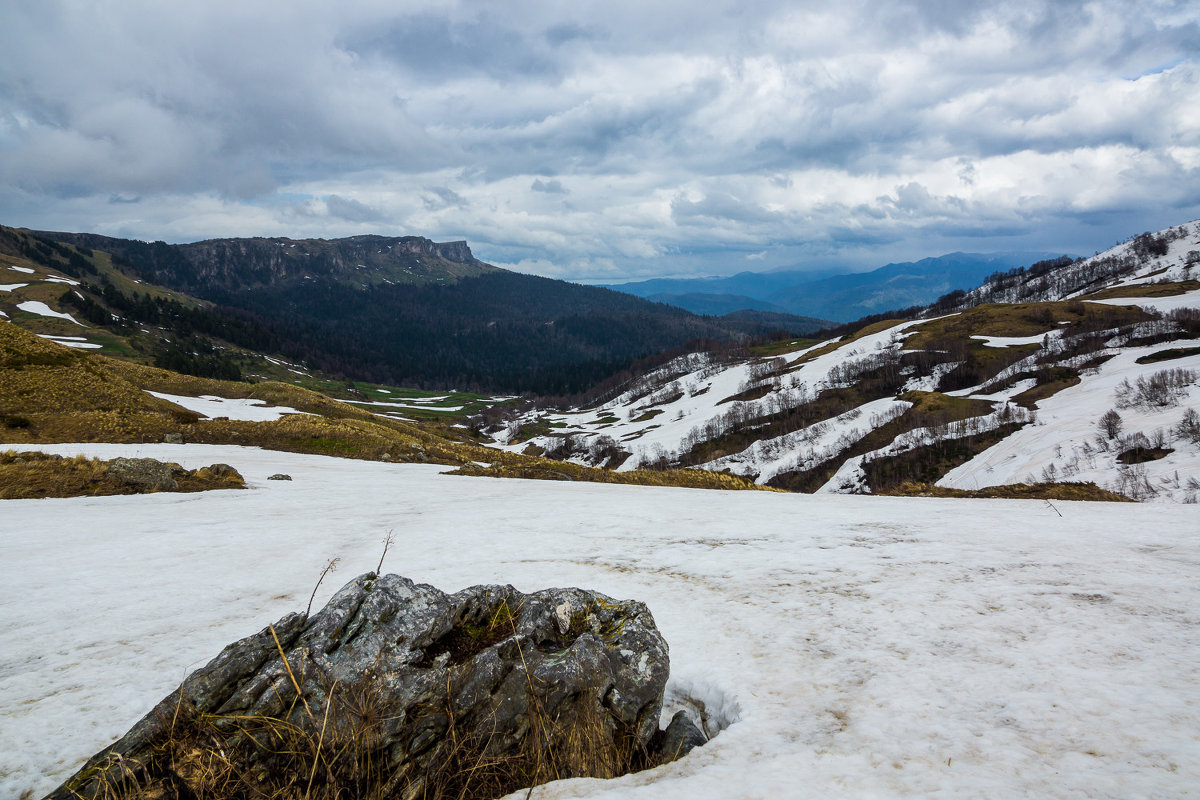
[{"x": 606, "y": 141}]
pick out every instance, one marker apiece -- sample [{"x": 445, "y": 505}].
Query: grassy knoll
[{"x": 30, "y": 475}]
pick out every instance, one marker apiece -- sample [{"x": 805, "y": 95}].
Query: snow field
[{"x": 854, "y": 646}]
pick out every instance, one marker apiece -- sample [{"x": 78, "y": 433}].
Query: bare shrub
[
  {"x": 1111, "y": 424},
  {"x": 1163, "y": 389}
]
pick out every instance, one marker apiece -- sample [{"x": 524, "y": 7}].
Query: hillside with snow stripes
[{"x": 987, "y": 395}]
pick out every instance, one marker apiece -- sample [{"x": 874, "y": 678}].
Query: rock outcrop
[
  {"x": 151, "y": 473},
  {"x": 396, "y": 689}
]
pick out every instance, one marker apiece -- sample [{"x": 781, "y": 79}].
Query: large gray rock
[
  {"x": 149, "y": 472},
  {"x": 406, "y": 691}
]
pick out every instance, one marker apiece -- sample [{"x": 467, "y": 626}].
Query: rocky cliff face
[
  {"x": 359, "y": 260},
  {"x": 233, "y": 264}
]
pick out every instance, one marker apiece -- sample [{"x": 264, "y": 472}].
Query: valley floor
[{"x": 849, "y": 646}]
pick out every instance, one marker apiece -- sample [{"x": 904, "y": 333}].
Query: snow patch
[
  {"x": 245, "y": 410},
  {"x": 43, "y": 310}
]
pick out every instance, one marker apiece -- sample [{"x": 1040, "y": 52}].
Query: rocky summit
[{"x": 397, "y": 689}]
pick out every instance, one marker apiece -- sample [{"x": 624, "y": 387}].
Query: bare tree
[{"x": 1111, "y": 424}]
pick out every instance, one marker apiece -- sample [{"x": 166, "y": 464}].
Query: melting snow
[
  {"x": 849, "y": 646},
  {"x": 43, "y": 310},
  {"x": 1012, "y": 341},
  {"x": 77, "y": 342},
  {"x": 1161, "y": 304},
  {"x": 11, "y": 287},
  {"x": 1064, "y": 444},
  {"x": 26, "y": 270},
  {"x": 247, "y": 410}
]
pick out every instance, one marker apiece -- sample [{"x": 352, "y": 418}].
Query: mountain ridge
[
  {"x": 841, "y": 297},
  {"x": 395, "y": 310}
]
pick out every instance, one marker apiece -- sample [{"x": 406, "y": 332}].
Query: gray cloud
[
  {"x": 689, "y": 136},
  {"x": 349, "y": 209},
  {"x": 548, "y": 187}
]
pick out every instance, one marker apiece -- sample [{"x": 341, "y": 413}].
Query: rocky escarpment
[
  {"x": 396, "y": 689},
  {"x": 207, "y": 267}
]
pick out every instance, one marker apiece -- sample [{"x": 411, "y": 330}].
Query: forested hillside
[{"x": 400, "y": 310}]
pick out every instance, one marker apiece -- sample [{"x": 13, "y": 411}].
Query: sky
[{"x": 612, "y": 141}]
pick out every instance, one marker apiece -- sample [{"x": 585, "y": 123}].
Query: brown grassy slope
[
  {"x": 547, "y": 469},
  {"x": 1016, "y": 491},
  {"x": 1146, "y": 290},
  {"x": 50, "y": 393}
]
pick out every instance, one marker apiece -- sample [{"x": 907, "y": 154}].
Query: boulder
[
  {"x": 396, "y": 689},
  {"x": 148, "y": 472}
]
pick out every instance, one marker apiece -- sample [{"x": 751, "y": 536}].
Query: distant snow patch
[
  {"x": 43, "y": 310},
  {"x": 10, "y": 287},
  {"x": 1013, "y": 341},
  {"x": 240, "y": 409},
  {"x": 26, "y": 270},
  {"x": 72, "y": 341},
  {"x": 1160, "y": 304}
]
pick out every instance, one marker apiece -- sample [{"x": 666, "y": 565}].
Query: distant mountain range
[{"x": 840, "y": 297}]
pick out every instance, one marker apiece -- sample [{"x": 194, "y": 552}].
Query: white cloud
[{"x": 600, "y": 140}]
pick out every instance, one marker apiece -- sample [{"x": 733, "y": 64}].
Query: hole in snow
[{"x": 710, "y": 708}]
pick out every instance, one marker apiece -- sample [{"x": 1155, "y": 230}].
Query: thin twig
[
  {"x": 330, "y": 567},
  {"x": 1056, "y": 511},
  {"x": 386, "y": 544}
]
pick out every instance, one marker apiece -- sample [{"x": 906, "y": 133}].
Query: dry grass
[
  {"x": 783, "y": 346},
  {"x": 1030, "y": 397},
  {"x": 1018, "y": 491},
  {"x": 33, "y": 475},
  {"x": 337, "y": 749},
  {"x": 1146, "y": 290},
  {"x": 50, "y": 393},
  {"x": 867, "y": 330},
  {"x": 1017, "y": 319},
  {"x": 536, "y": 468}
]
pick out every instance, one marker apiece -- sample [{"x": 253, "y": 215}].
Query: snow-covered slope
[
  {"x": 1170, "y": 255},
  {"x": 1060, "y": 438},
  {"x": 840, "y": 646},
  {"x": 822, "y": 417}
]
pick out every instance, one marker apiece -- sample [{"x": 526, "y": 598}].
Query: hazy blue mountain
[
  {"x": 842, "y": 297},
  {"x": 714, "y": 304}
]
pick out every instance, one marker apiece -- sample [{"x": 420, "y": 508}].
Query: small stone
[
  {"x": 279, "y": 476},
  {"x": 680, "y": 738},
  {"x": 172, "y": 438},
  {"x": 562, "y": 614}
]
